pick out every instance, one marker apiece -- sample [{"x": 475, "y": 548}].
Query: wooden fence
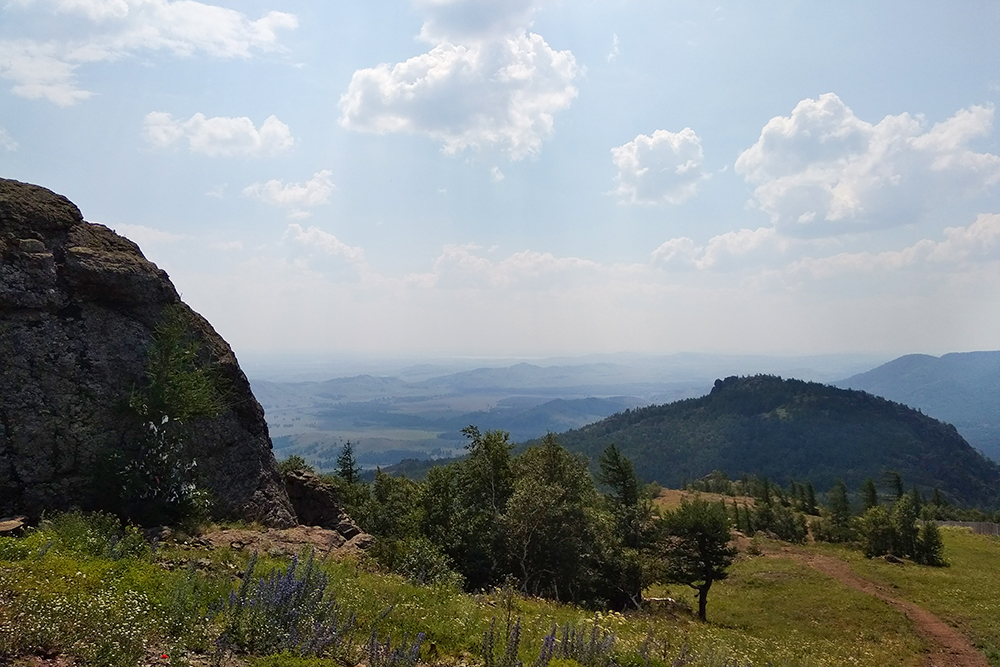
[{"x": 978, "y": 527}]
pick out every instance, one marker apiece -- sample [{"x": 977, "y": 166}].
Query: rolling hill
[
  {"x": 960, "y": 388},
  {"x": 791, "y": 429}
]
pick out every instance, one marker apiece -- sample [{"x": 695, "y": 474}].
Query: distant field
[{"x": 668, "y": 499}]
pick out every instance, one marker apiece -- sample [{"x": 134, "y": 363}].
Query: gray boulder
[{"x": 78, "y": 308}]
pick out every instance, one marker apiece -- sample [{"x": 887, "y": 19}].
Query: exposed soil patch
[
  {"x": 290, "y": 541},
  {"x": 948, "y": 647}
]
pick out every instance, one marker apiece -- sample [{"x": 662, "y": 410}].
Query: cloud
[
  {"x": 496, "y": 174},
  {"x": 7, "y": 142},
  {"x": 663, "y": 168},
  {"x": 487, "y": 83},
  {"x": 46, "y": 69},
  {"x": 824, "y": 166},
  {"x": 315, "y": 191},
  {"x": 614, "y": 52},
  {"x": 143, "y": 235},
  {"x": 218, "y": 136},
  {"x": 461, "y": 21},
  {"x": 328, "y": 243},
  {"x": 978, "y": 242},
  {"x": 730, "y": 251}
]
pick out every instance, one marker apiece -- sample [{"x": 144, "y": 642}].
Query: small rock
[{"x": 12, "y": 525}]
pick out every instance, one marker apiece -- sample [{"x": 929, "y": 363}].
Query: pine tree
[
  {"x": 930, "y": 547},
  {"x": 811, "y": 500},
  {"x": 895, "y": 484},
  {"x": 869, "y": 494},
  {"x": 347, "y": 465}
]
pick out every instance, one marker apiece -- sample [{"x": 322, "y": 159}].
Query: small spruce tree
[
  {"x": 930, "y": 547},
  {"x": 347, "y": 466}
]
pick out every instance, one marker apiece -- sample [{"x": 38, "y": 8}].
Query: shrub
[{"x": 97, "y": 534}]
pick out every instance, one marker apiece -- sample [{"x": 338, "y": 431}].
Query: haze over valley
[{"x": 418, "y": 410}]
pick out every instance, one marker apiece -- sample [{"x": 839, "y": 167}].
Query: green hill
[
  {"x": 960, "y": 388},
  {"x": 790, "y": 429}
]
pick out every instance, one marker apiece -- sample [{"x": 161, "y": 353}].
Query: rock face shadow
[{"x": 79, "y": 305}]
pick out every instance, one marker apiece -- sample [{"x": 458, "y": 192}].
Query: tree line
[
  {"x": 898, "y": 522},
  {"x": 538, "y": 521}
]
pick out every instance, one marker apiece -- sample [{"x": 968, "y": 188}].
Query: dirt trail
[{"x": 948, "y": 646}]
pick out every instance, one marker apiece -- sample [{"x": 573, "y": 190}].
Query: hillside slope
[
  {"x": 790, "y": 429},
  {"x": 960, "y": 388}
]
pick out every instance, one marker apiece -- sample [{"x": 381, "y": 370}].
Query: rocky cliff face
[{"x": 78, "y": 309}]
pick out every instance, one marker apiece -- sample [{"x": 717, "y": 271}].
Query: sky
[{"x": 531, "y": 177}]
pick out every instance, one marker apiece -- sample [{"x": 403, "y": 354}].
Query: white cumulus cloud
[
  {"x": 328, "y": 243},
  {"x": 114, "y": 29},
  {"x": 824, "y": 165},
  {"x": 729, "y": 251},
  {"x": 218, "y": 136},
  {"x": 663, "y": 168},
  {"x": 315, "y": 191},
  {"x": 488, "y": 82}
]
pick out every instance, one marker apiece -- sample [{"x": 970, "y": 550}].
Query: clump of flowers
[{"x": 285, "y": 611}]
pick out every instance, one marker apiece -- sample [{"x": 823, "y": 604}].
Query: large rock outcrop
[{"x": 78, "y": 309}]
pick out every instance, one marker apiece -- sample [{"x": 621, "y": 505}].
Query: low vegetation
[
  {"x": 85, "y": 587},
  {"x": 503, "y": 560}
]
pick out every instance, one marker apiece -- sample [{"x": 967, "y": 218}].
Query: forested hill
[{"x": 792, "y": 430}]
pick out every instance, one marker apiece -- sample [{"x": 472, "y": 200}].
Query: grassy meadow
[
  {"x": 965, "y": 594},
  {"x": 70, "y": 588}
]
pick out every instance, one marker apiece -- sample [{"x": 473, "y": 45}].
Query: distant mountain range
[
  {"x": 960, "y": 388},
  {"x": 792, "y": 430},
  {"x": 418, "y": 410}
]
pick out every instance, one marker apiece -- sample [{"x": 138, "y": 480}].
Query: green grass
[
  {"x": 966, "y": 594},
  {"x": 795, "y": 613},
  {"x": 68, "y": 592}
]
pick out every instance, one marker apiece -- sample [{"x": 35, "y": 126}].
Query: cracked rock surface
[{"x": 78, "y": 308}]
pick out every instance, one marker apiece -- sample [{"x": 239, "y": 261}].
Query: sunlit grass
[
  {"x": 966, "y": 594},
  {"x": 59, "y": 597}
]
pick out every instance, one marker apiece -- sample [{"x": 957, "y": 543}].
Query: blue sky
[{"x": 529, "y": 177}]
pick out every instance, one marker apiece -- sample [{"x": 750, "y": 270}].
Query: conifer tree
[
  {"x": 347, "y": 465},
  {"x": 811, "y": 500},
  {"x": 869, "y": 494},
  {"x": 895, "y": 483},
  {"x": 930, "y": 547},
  {"x": 696, "y": 547}
]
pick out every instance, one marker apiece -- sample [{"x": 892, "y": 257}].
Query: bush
[{"x": 97, "y": 534}]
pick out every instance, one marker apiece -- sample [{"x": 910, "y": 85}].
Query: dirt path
[{"x": 948, "y": 647}]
